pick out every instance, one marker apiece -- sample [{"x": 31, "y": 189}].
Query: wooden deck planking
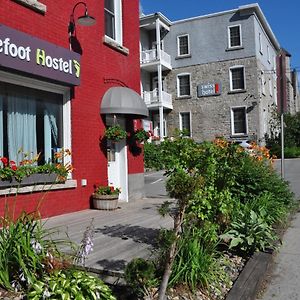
[{"x": 119, "y": 235}]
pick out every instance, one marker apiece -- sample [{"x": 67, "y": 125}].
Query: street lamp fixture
[{"x": 85, "y": 20}]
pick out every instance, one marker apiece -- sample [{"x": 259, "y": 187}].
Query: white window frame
[
  {"x": 229, "y": 39},
  {"x": 118, "y": 24},
  {"x": 230, "y": 77},
  {"x": 178, "y": 45},
  {"x": 232, "y": 108},
  {"x": 178, "y": 85},
  {"x": 260, "y": 43},
  {"x": 180, "y": 120},
  {"x": 48, "y": 87}
]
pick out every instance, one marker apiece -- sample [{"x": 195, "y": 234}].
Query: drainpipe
[{"x": 159, "y": 77}]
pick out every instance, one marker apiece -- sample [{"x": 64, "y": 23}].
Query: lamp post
[{"x": 85, "y": 20}]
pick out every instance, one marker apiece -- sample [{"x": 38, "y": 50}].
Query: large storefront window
[{"x": 30, "y": 123}]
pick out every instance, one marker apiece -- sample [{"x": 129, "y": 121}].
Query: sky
[{"x": 282, "y": 16}]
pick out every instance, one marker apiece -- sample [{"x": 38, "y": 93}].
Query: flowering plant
[
  {"x": 9, "y": 170},
  {"x": 106, "y": 190},
  {"x": 141, "y": 135},
  {"x": 115, "y": 133}
]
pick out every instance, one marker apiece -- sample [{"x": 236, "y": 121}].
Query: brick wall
[{"x": 98, "y": 62}]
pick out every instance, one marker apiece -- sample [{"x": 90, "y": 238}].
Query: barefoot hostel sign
[{"x": 23, "y": 52}]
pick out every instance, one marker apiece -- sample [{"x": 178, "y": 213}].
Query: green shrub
[
  {"x": 153, "y": 157},
  {"x": 249, "y": 233},
  {"x": 69, "y": 284},
  {"x": 140, "y": 274}
]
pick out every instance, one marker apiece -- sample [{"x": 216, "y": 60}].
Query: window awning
[{"x": 122, "y": 100}]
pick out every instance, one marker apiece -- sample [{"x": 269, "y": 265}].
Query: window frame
[
  {"x": 189, "y": 113},
  {"x": 53, "y": 88},
  {"x": 270, "y": 87},
  {"x": 188, "y": 45},
  {"x": 178, "y": 85},
  {"x": 232, "y": 108},
  {"x": 263, "y": 82},
  {"x": 229, "y": 36},
  {"x": 118, "y": 23},
  {"x": 260, "y": 43},
  {"x": 230, "y": 78},
  {"x": 268, "y": 54}
]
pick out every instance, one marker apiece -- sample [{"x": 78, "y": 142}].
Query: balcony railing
[
  {"x": 152, "y": 100},
  {"x": 148, "y": 56}
]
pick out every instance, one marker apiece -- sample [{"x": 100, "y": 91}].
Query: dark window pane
[
  {"x": 185, "y": 123},
  {"x": 109, "y": 25},
  {"x": 237, "y": 77},
  {"x": 239, "y": 119},
  {"x": 109, "y": 5},
  {"x": 235, "y": 39},
  {"x": 183, "y": 45},
  {"x": 184, "y": 85}
]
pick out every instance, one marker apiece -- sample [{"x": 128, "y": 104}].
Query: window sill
[
  {"x": 239, "y": 135},
  {"x": 34, "y": 5},
  {"x": 183, "y": 56},
  {"x": 69, "y": 184},
  {"x": 237, "y": 92},
  {"x": 183, "y": 97},
  {"x": 115, "y": 45},
  {"x": 234, "y": 48}
]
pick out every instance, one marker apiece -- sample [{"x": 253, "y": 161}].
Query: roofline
[{"x": 161, "y": 16}]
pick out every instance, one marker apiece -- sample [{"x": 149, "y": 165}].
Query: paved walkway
[{"x": 285, "y": 278}]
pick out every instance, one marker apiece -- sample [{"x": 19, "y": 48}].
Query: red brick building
[{"x": 66, "y": 89}]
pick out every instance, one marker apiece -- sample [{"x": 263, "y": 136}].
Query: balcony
[
  {"x": 149, "y": 60},
  {"x": 152, "y": 101}
]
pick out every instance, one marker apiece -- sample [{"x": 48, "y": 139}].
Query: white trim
[
  {"x": 230, "y": 77},
  {"x": 48, "y": 87},
  {"x": 178, "y": 87},
  {"x": 268, "y": 54},
  {"x": 240, "y": 34},
  {"x": 270, "y": 87},
  {"x": 178, "y": 45},
  {"x": 263, "y": 82},
  {"x": 180, "y": 121},
  {"x": 232, "y": 121}
]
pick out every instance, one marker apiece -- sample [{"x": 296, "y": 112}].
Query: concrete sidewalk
[{"x": 285, "y": 278}]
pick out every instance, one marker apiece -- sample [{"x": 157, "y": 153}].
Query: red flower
[
  {"x": 13, "y": 165},
  {"x": 4, "y": 160}
]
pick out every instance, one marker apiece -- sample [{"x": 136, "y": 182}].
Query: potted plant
[
  {"x": 141, "y": 135},
  {"x": 115, "y": 133},
  {"x": 105, "y": 197}
]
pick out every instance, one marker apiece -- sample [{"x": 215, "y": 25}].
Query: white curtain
[
  {"x": 21, "y": 127},
  {"x": 50, "y": 129},
  {"x": 1, "y": 125}
]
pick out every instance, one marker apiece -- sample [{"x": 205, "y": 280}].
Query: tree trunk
[{"x": 171, "y": 255}]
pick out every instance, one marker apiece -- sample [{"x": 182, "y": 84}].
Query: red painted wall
[{"x": 98, "y": 62}]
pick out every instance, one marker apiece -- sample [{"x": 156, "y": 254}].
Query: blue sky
[{"x": 283, "y": 16}]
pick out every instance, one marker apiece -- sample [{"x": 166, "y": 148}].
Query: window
[
  {"x": 183, "y": 45},
  {"x": 268, "y": 54},
  {"x": 234, "y": 36},
  {"x": 238, "y": 121},
  {"x": 260, "y": 43},
  {"x": 183, "y": 85},
  {"x": 270, "y": 87},
  {"x": 185, "y": 122},
  {"x": 31, "y": 121},
  {"x": 262, "y": 82},
  {"x": 113, "y": 19},
  {"x": 237, "y": 78}
]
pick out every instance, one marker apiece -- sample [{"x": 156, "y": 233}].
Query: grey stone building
[{"x": 221, "y": 76}]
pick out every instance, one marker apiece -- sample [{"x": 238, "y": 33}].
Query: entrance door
[{"x": 117, "y": 170}]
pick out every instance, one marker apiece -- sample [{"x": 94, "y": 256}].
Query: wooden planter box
[
  {"x": 33, "y": 179},
  {"x": 105, "y": 202}
]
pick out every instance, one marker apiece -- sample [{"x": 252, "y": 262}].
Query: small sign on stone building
[{"x": 209, "y": 89}]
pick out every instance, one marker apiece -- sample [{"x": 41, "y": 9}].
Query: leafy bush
[
  {"x": 69, "y": 284},
  {"x": 249, "y": 233},
  {"x": 140, "y": 274},
  {"x": 153, "y": 157}
]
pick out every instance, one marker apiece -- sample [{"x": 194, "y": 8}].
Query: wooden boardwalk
[{"x": 119, "y": 236}]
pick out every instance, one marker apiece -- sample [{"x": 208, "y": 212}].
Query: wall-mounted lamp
[{"x": 85, "y": 20}]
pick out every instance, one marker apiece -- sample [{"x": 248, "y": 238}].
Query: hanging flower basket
[
  {"x": 115, "y": 133},
  {"x": 141, "y": 135}
]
